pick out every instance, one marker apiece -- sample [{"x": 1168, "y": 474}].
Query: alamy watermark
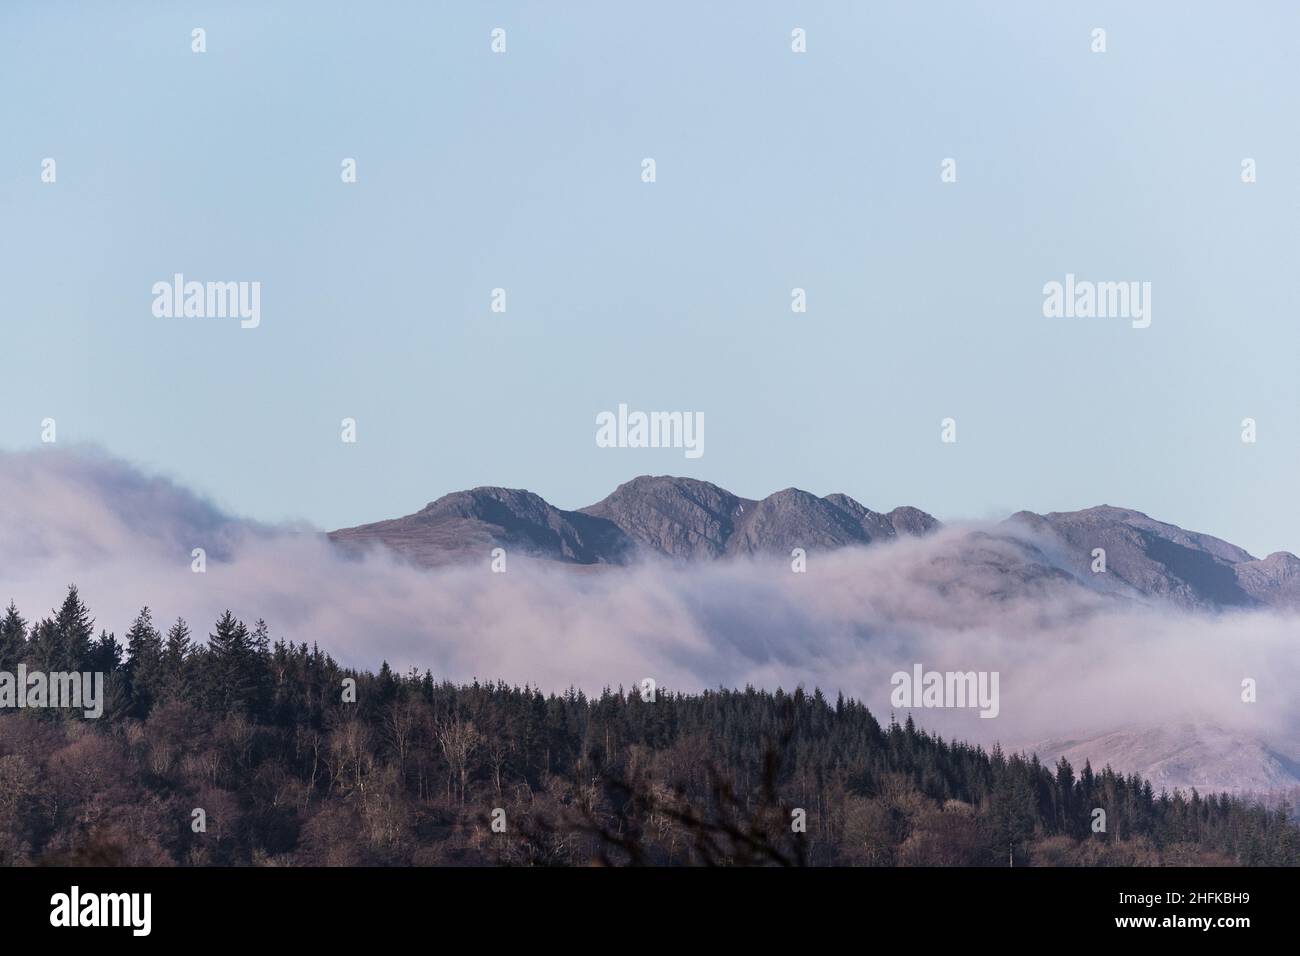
[
  {"x": 651, "y": 430},
  {"x": 922, "y": 688},
  {"x": 208, "y": 300},
  {"x": 1084, "y": 299},
  {"x": 72, "y": 690},
  {"x": 130, "y": 910}
]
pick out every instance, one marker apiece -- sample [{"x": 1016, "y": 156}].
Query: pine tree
[
  {"x": 259, "y": 663},
  {"x": 231, "y": 680},
  {"x": 13, "y": 639},
  {"x": 144, "y": 669},
  {"x": 74, "y": 629},
  {"x": 387, "y": 689},
  {"x": 44, "y": 649},
  {"x": 176, "y": 683},
  {"x": 104, "y": 656},
  {"x": 1065, "y": 797}
]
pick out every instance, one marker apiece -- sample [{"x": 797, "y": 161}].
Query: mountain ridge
[
  {"x": 679, "y": 518},
  {"x": 687, "y": 519}
]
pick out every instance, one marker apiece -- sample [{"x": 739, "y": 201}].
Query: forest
[{"x": 239, "y": 749}]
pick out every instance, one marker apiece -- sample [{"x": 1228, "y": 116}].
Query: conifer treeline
[{"x": 257, "y": 735}]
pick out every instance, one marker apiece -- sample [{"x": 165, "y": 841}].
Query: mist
[{"x": 1071, "y": 659}]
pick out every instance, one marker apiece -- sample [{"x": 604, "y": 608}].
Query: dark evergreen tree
[
  {"x": 74, "y": 630},
  {"x": 230, "y": 679},
  {"x": 144, "y": 665},
  {"x": 104, "y": 656},
  {"x": 13, "y": 639},
  {"x": 175, "y": 682},
  {"x": 44, "y": 649}
]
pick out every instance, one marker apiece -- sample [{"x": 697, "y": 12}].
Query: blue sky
[{"x": 775, "y": 170}]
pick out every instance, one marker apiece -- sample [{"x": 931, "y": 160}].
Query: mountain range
[
  {"x": 685, "y": 519},
  {"x": 974, "y": 569}
]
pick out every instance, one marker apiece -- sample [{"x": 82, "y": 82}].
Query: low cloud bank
[{"x": 1070, "y": 660}]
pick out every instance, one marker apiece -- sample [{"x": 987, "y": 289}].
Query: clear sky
[{"x": 775, "y": 170}]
